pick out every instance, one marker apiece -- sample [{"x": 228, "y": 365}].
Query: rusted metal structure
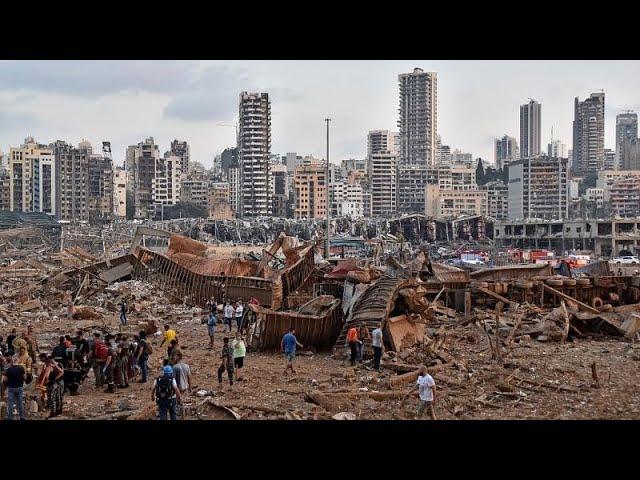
[{"x": 319, "y": 331}]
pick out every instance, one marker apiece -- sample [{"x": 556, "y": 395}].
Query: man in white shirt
[
  {"x": 378, "y": 346},
  {"x": 427, "y": 392},
  {"x": 229, "y": 311},
  {"x": 239, "y": 310}
]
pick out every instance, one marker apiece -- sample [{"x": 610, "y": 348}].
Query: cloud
[
  {"x": 18, "y": 120},
  {"x": 96, "y": 77}
]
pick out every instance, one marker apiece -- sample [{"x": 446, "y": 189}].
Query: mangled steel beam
[{"x": 319, "y": 331}]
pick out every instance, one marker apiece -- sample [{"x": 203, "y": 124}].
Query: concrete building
[
  {"x": 383, "y": 167},
  {"x": 609, "y": 159},
  {"x": 254, "y": 151},
  {"x": 279, "y": 185},
  {"x": 412, "y": 180},
  {"x": 219, "y": 201},
  {"x": 140, "y": 164},
  {"x": 292, "y": 160},
  {"x": 626, "y": 130},
  {"x": 497, "y": 199},
  {"x": 196, "y": 191},
  {"x": 5, "y": 190},
  {"x": 32, "y": 178},
  {"x": 100, "y": 191},
  {"x": 604, "y": 237},
  {"x": 165, "y": 185},
  {"x": 453, "y": 203},
  {"x": 595, "y": 195},
  {"x": 120, "y": 192},
  {"x": 418, "y": 122},
  {"x": 606, "y": 179},
  {"x": 347, "y": 200},
  {"x": 228, "y": 159},
  {"x": 310, "y": 181},
  {"x": 630, "y": 154},
  {"x": 588, "y": 134},
  {"x": 624, "y": 197},
  {"x": 556, "y": 149},
  {"x": 538, "y": 188},
  {"x": 382, "y": 141},
  {"x": 458, "y": 157},
  {"x": 506, "y": 151},
  {"x": 72, "y": 180},
  {"x": 180, "y": 149},
  {"x": 443, "y": 152},
  {"x": 530, "y": 129},
  {"x": 235, "y": 189}
]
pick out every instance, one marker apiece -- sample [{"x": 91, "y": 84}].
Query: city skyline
[{"x": 126, "y": 101}]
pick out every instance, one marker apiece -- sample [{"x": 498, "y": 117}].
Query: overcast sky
[{"x": 127, "y": 101}]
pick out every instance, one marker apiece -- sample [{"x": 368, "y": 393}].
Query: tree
[{"x": 480, "y": 178}]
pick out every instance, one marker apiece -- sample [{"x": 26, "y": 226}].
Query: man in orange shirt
[{"x": 352, "y": 338}]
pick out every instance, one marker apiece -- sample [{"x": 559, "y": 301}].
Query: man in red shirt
[{"x": 352, "y": 338}]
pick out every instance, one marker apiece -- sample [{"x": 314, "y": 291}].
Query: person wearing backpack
[
  {"x": 142, "y": 355},
  {"x": 166, "y": 394},
  {"x": 100, "y": 353}
]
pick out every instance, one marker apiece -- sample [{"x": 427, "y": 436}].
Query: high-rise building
[
  {"x": 530, "y": 129},
  {"x": 101, "y": 186},
  {"x": 165, "y": 186},
  {"x": 5, "y": 189},
  {"x": 626, "y": 130},
  {"x": 630, "y": 154},
  {"x": 418, "y": 122},
  {"x": 383, "y": 168},
  {"x": 292, "y": 160},
  {"x": 72, "y": 180},
  {"x": 310, "y": 182},
  {"x": 254, "y": 150},
  {"x": 120, "y": 192},
  {"x": 588, "y": 134},
  {"x": 538, "y": 188},
  {"x": 506, "y": 151},
  {"x": 140, "y": 163},
  {"x": 557, "y": 149},
  {"x": 228, "y": 159},
  {"x": 382, "y": 141},
  {"x": 412, "y": 180},
  {"x": 497, "y": 199},
  {"x": 180, "y": 149},
  {"x": 33, "y": 178},
  {"x": 609, "y": 159},
  {"x": 279, "y": 184}
]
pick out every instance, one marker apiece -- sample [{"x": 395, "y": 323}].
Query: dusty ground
[{"x": 537, "y": 381}]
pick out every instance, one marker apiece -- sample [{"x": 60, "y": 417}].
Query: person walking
[
  {"x": 168, "y": 335},
  {"x": 53, "y": 378},
  {"x": 426, "y": 391},
  {"x": 212, "y": 321},
  {"x": 13, "y": 377},
  {"x": 165, "y": 393},
  {"x": 122, "y": 362},
  {"x": 378, "y": 346},
  {"x": 123, "y": 312},
  {"x": 363, "y": 336},
  {"x": 352, "y": 339},
  {"x": 182, "y": 375},
  {"x": 239, "y": 352},
  {"x": 226, "y": 361},
  {"x": 288, "y": 346},
  {"x": 229, "y": 312},
  {"x": 174, "y": 352},
  {"x": 142, "y": 355},
  {"x": 238, "y": 314}
]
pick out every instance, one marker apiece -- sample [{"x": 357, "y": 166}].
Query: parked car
[{"x": 630, "y": 259}]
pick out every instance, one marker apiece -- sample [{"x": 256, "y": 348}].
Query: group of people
[{"x": 356, "y": 338}]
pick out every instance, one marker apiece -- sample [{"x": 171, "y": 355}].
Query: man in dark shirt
[
  {"x": 142, "y": 356},
  {"x": 109, "y": 367},
  {"x": 59, "y": 353},
  {"x": 13, "y": 381},
  {"x": 227, "y": 361},
  {"x": 123, "y": 312}
]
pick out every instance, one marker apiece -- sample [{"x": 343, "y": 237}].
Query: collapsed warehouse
[{"x": 432, "y": 314}]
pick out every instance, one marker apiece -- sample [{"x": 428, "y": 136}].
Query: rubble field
[{"x": 517, "y": 342}]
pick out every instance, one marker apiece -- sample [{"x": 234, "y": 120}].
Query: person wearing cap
[{"x": 166, "y": 393}]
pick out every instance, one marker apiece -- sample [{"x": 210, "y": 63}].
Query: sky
[{"x": 127, "y": 101}]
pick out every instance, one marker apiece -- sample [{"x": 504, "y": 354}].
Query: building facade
[
  {"x": 530, "y": 129},
  {"x": 453, "y": 203},
  {"x": 180, "y": 149},
  {"x": 497, "y": 199},
  {"x": 32, "y": 178},
  {"x": 310, "y": 181},
  {"x": 196, "y": 191},
  {"x": 626, "y": 131},
  {"x": 254, "y": 150},
  {"x": 140, "y": 164},
  {"x": 120, "y": 192},
  {"x": 418, "y": 122},
  {"x": 412, "y": 180},
  {"x": 383, "y": 167},
  {"x": 382, "y": 141},
  {"x": 506, "y": 151},
  {"x": 588, "y": 134},
  {"x": 538, "y": 188}
]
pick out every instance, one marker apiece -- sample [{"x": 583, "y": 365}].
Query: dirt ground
[{"x": 536, "y": 380}]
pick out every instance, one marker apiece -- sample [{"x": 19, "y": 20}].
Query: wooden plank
[
  {"x": 570, "y": 299},
  {"x": 495, "y": 295}
]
